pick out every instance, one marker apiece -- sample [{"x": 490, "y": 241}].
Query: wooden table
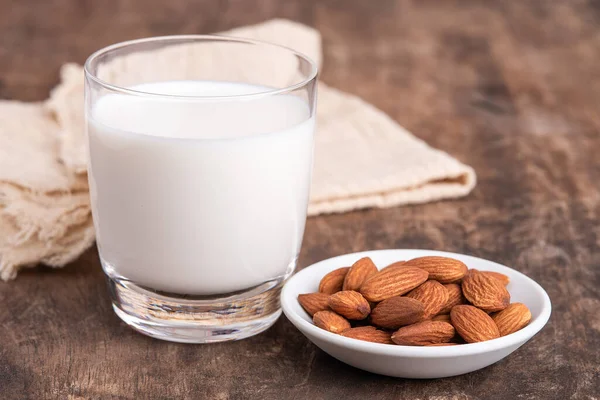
[{"x": 511, "y": 88}]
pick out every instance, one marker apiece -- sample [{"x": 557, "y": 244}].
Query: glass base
[{"x": 196, "y": 319}]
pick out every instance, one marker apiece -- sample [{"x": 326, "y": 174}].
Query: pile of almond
[{"x": 426, "y": 301}]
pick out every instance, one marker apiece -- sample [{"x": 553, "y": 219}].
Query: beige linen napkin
[
  {"x": 44, "y": 207},
  {"x": 362, "y": 158}
]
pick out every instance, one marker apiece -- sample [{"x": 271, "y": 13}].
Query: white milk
[{"x": 200, "y": 196}]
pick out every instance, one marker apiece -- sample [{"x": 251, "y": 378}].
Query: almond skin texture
[
  {"x": 397, "y": 311},
  {"x": 441, "y": 317},
  {"x": 455, "y": 297},
  {"x": 333, "y": 281},
  {"x": 433, "y": 295},
  {"x": 513, "y": 318},
  {"x": 441, "y": 269},
  {"x": 314, "y": 302},
  {"x": 485, "y": 292},
  {"x": 424, "y": 333},
  {"x": 360, "y": 271},
  {"x": 331, "y": 321},
  {"x": 473, "y": 325},
  {"x": 368, "y": 334},
  {"x": 395, "y": 264},
  {"x": 350, "y": 304},
  {"x": 392, "y": 282},
  {"x": 501, "y": 277}
]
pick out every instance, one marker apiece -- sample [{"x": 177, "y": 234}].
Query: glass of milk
[{"x": 200, "y": 152}]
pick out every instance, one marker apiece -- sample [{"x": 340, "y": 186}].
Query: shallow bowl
[{"x": 411, "y": 361}]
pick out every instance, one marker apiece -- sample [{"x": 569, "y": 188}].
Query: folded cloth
[
  {"x": 362, "y": 158},
  {"x": 44, "y": 206}
]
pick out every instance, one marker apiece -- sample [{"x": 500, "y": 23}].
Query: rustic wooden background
[{"x": 511, "y": 88}]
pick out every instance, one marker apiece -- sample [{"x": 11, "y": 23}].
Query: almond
[
  {"x": 455, "y": 297},
  {"x": 331, "y": 321},
  {"x": 360, "y": 271},
  {"x": 424, "y": 333},
  {"x": 501, "y": 277},
  {"x": 350, "y": 304},
  {"x": 513, "y": 318},
  {"x": 433, "y": 295},
  {"x": 472, "y": 324},
  {"x": 392, "y": 282},
  {"x": 485, "y": 292},
  {"x": 314, "y": 302},
  {"x": 333, "y": 281},
  {"x": 368, "y": 334},
  {"x": 395, "y": 264},
  {"x": 397, "y": 311},
  {"x": 441, "y": 317},
  {"x": 441, "y": 269}
]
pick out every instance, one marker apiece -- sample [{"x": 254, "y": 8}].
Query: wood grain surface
[{"x": 511, "y": 88}]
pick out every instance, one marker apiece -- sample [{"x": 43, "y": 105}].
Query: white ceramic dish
[{"x": 410, "y": 361}]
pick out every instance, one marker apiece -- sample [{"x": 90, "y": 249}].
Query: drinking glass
[{"x": 200, "y": 161}]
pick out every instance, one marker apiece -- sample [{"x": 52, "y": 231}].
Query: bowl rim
[{"x": 514, "y": 339}]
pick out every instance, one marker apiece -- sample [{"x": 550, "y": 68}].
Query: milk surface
[{"x": 200, "y": 196}]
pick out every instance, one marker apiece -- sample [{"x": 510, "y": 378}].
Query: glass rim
[{"x": 312, "y": 75}]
